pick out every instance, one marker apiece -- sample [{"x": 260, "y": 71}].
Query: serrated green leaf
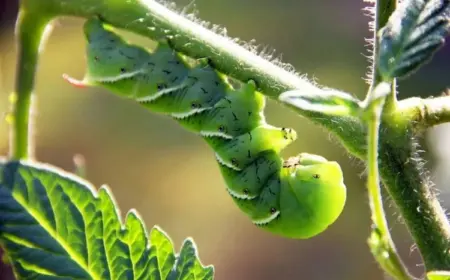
[
  {"x": 55, "y": 225},
  {"x": 414, "y": 32},
  {"x": 329, "y": 102},
  {"x": 188, "y": 265},
  {"x": 438, "y": 275}
]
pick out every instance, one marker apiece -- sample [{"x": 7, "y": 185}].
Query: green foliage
[
  {"x": 54, "y": 224},
  {"x": 414, "y": 32}
]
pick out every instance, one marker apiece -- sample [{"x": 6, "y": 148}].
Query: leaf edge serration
[{"x": 151, "y": 242}]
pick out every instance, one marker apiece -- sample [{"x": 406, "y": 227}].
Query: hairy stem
[
  {"x": 425, "y": 113},
  {"x": 30, "y": 31},
  {"x": 398, "y": 172},
  {"x": 410, "y": 187}
]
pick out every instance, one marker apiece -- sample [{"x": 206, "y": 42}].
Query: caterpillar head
[{"x": 311, "y": 198}]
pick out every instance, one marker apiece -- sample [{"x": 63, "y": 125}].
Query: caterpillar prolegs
[{"x": 297, "y": 198}]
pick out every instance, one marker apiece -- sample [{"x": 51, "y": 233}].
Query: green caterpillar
[{"x": 297, "y": 198}]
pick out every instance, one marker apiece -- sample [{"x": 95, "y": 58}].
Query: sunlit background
[{"x": 170, "y": 176}]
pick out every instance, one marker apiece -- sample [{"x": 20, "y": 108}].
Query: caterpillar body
[{"x": 295, "y": 198}]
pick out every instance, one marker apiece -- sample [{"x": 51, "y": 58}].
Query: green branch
[
  {"x": 30, "y": 29},
  {"x": 410, "y": 187},
  {"x": 398, "y": 169},
  {"x": 380, "y": 240},
  {"x": 425, "y": 113}
]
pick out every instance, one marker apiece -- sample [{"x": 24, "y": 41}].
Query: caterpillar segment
[{"x": 296, "y": 198}]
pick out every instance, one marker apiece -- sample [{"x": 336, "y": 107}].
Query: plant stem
[
  {"x": 30, "y": 30},
  {"x": 424, "y": 113},
  {"x": 411, "y": 188},
  {"x": 380, "y": 241},
  {"x": 399, "y": 173}
]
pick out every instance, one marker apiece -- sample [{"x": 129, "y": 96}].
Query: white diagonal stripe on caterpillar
[
  {"x": 267, "y": 220},
  {"x": 215, "y": 134},
  {"x": 239, "y": 195},
  {"x": 223, "y": 162}
]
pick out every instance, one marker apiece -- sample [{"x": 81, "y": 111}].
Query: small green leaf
[
  {"x": 55, "y": 225},
  {"x": 188, "y": 265},
  {"x": 414, "y": 32},
  {"x": 329, "y": 102},
  {"x": 438, "y": 275}
]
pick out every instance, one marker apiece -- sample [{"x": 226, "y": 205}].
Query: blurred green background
[{"x": 170, "y": 176}]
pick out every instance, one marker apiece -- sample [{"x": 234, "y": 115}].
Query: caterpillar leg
[
  {"x": 264, "y": 209},
  {"x": 248, "y": 183}
]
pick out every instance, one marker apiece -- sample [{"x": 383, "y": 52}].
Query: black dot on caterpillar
[
  {"x": 122, "y": 70},
  {"x": 273, "y": 210},
  {"x": 286, "y": 130},
  {"x": 222, "y": 128},
  {"x": 161, "y": 86},
  {"x": 316, "y": 176},
  {"x": 195, "y": 105}
]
